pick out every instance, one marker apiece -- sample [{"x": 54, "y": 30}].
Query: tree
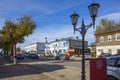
[
  {"x": 18, "y": 49},
  {"x": 118, "y": 24},
  {"x": 13, "y": 32},
  {"x": 104, "y": 25},
  {"x": 98, "y": 29}
]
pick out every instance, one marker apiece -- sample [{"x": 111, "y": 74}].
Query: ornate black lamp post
[
  {"x": 46, "y": 45},
  {"x": 93, "y": 8},
  {"x": 46, "y": 40}
]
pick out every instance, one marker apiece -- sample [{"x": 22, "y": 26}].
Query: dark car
[
  {"x": 19, "y": 56},
  {"x": 26, "y": 54},
  {"x": 113, "y": 68},
  {"x": 33, "y": 56},
  {"x": 62, "y": 57},
  {"x": 105, "y": 55}
]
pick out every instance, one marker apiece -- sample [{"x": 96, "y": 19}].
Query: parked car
[
  {"x": 26, "y": 54},
  {"x": 62, "y": 57},
  {"x": 113, "y": 68},
  {"x": 33, "y": 56},
  {"x": 20, "y": 56},
  {"x": 88, "y": 55},
  {"x": 105, "y": 55},
  {"x": 116, "y": 54},
  {"x": 49, "y": 55}
]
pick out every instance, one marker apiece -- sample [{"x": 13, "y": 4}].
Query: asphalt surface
[
  {"x": 8, "y": 71},
  {"x": 42, "y": 69}
]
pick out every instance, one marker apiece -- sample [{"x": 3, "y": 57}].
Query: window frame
[
  {"x": 101, "y": 39},
  {"x": 109, "y": 37},
  {"x": 109, "y": 50},
  {"x": 117, "y": 37}
]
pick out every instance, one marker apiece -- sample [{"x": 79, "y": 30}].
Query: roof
[
  {"x": 36, "y": 43},
  {"x": 113, "y": 29},
  {"x": 62, "y": 39}
]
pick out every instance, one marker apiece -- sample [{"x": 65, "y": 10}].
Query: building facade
[
  {"x": 108, "y": 41},
  {"x": 65, "y": 44},
  {"x": 38, "y": 47}
]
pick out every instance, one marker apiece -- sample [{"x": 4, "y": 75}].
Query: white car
[
  {"x": 88, "y": 55},
  {"x": 113, "y": 68}
]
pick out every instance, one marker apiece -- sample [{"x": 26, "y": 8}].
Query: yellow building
[{"x": 108, "y": 41}]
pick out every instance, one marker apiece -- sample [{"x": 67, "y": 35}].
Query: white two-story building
[
  {"x": 60, "y": 46},
  {"x": 38, "y": 47}
]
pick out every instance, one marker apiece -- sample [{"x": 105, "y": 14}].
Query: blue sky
[{"x": 52, "y": 16}]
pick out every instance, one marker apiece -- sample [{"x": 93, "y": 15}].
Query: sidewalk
[{"x": 75, "y": 58}]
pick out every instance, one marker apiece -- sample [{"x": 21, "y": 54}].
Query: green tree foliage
[
  {"x": 13, "y": 32},
  {"x": 98, "y": 29},
  {"x": 118, "y": 24},
  {"x": 18, "y": 50},
  {"x": 105, "y": 24}
]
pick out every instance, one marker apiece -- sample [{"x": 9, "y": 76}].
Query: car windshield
[
  {"x": 19, "y": 54},
  {"x": 87, "y": 54},
  {"x": 61, "y": 54},
  {"x": 111, "y": 61},
  {"x": 33, "y": 54},
  {"x": 118, "y": 63},
  {"x": 105, "y": 55}
]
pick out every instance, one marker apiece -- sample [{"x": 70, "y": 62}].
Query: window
[
  {"x": 60, "y": 51},
  {"x": 56, "y": 45},
  {"x": 109, "y": 38},
  {"x": 101, "y": 39},
  {"x": 60, "y": 44},
  {"x": 118, "y": 63},
  {"x": 118, "y": 51},
  {"x": 118, "y": 37},
  {"x": 109, "y": 51},
  {"x": 101, "y": 50},
  {"x": 64, "y": 44},
  {"x": 111, "y": 62},
  {"x": 64, "y": 50},
  {"x": 53, "y": 45}
]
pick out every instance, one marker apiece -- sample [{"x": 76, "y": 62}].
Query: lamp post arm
[
  {"x": 88, "y": 26},
  {"x": 83, "y": 29}
]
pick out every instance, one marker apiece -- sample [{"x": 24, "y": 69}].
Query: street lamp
[
  {"x": 46, "y": 40},
  {"x": 93, "y": 8},
  {"x": 46, "y": 46}
]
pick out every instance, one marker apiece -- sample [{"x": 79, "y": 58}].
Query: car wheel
[
  {"x": 111, "y": 78},
  {"x": 56, "y": 58}
]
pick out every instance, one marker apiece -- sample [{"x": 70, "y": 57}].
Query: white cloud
[
  {"x": 111, "y": 16},
  {"x": 46, "y": 7},
  {"x": 51, "y": 32}
]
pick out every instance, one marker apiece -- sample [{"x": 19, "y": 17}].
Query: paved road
[
  {"x": 60, "y": 70},
  {"x": 8, "y": 71},
  {"x": 42, "y": 69}
]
